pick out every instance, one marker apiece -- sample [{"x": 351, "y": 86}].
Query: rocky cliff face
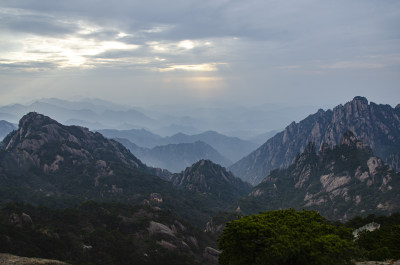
[
  {"x": 212, "y": 180},
  {"x": 376, "y": 125},
  {"x": 48, "y": 145},
  {"x": 341, "y": 182}
]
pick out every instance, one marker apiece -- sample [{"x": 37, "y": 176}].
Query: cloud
[
  {"x": 353, "y": 65},
  {"x": 208, "y": 67},
  {"x": 254, "y": 46}
]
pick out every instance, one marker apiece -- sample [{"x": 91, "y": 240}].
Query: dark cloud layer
[{"x": 251, "y": 50}]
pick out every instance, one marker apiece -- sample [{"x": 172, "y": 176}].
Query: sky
[{"x": 142, "y": 53}]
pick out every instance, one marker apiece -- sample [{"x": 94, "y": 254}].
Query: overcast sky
[{"x": 302, "y": 52}]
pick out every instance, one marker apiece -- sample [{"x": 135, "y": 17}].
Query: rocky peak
[
  {"x": 44, "y": 143},
  {"x": 360, "y": 100},
  {"x": 212, "y": 179},
  {"x": 377, "y": 126},
  {"x": 200, "y": 173},
  {"x": 34, "y": 119},
  {"x": 341, "y": 182}
]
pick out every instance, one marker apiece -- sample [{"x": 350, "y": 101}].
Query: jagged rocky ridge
[
  {"x": 49, "y": 158},
  {"x": 340, "y": 182},
  {"x": 376, "y": 125}
]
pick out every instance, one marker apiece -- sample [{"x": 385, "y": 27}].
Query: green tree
[
  {"x": 285, "y": 237},
  {"x": 381, "y": 244}
]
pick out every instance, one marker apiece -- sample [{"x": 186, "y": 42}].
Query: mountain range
[
  {"x": 91, "y": 198},
  {"x": 5, "y": 128},
  {"x": 175, "y": 157},
  {"x": 45, "y": 162},
  {"x": 95, "y": 114},
  {"x": 342, "y": 182},
  {"x": 376, "y": 125},
  {"x": 232, "y": 148}
]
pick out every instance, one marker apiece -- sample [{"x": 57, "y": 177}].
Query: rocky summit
[
  {"x": 376, "y": 125},
  {"x": 45, "y": 159},
  {"x": 340, "y": 182},
  {"x": 39, "y": 137},
  {"x": 211, "y": 180}
]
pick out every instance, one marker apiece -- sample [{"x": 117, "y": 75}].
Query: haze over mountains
[
  {"x": 242, "y": 122},
  {"x": 5, "y": 128},
  {"x": 232, "y": 148},
  {"x": 175, "y": 157}
]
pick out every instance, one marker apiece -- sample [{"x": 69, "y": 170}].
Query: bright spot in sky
[
  {"x": 187, "y": 44},
  {"x": 206, "y": 67}
]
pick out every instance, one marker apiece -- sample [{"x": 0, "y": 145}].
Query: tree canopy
[{"x": 285, "y": 237}]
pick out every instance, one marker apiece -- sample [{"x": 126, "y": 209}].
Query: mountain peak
[
  {"x": 206, "y": 177},
  {"x": 362, "y": 100},
  {"x": 375, "y": 125},
  {"x": 35, "y": 119},
  {"x": 341, "y": 182},
  {"x": 45, "y": 144}
]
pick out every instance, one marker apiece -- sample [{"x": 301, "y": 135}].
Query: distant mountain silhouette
[
  {"x": 175, "y": 157},
  {"x": 5, "y": 128},
  {"x": 232, "y": 148}
]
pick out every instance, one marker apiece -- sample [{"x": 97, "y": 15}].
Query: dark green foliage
[
  {"x": 99, "y": 233},
  {"x": 381, "y": 244},
  {"x": 285, "y": 237},
  {"x": 358, "y": 221}
]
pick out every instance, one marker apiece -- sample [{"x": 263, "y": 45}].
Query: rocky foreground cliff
[
  {"x": 340, "y": 182},
  {"x": 376, "y": 125}
]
